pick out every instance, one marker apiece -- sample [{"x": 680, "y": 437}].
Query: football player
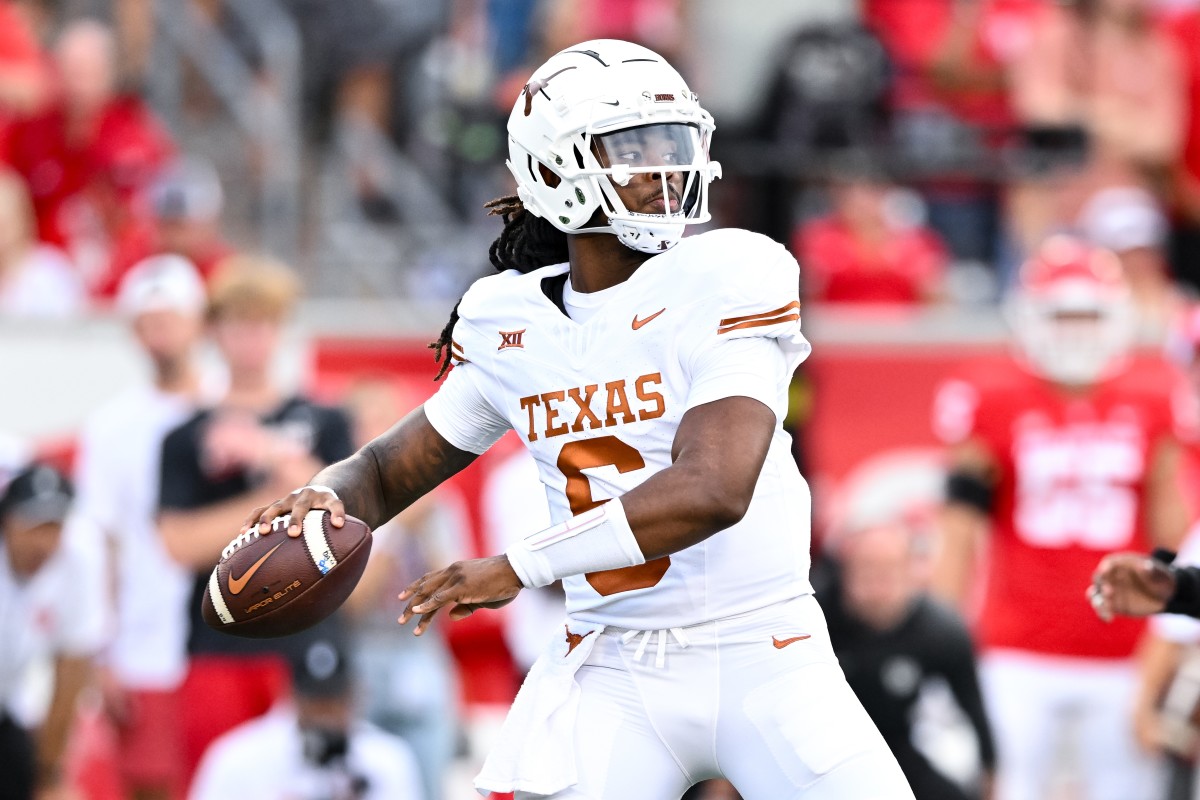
[
  {"x": 647, "y": 373},
  {"x": 1066, "y": 450}
]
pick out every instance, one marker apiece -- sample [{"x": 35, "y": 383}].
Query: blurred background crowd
[{"x": 228, "y": 228}]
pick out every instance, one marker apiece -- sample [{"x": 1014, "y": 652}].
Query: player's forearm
[
  {"x": 1166, "y": 512},
  {"x": 394, "y": 470},
  {"x": 960, "y": 530},
  {"x": 71, "y": 674},
  {"x": 1157, "y": 661},
  {"x": 677, "y": 508},
  {"x": 711, "y": 483}
]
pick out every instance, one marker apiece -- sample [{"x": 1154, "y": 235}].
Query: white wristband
[
  {"x": 593, "y": 541},
  {"x": 318, "y": 487}
]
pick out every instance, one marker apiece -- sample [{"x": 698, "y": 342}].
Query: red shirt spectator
[
  {"x": 23, "y": 74},
  {"x": 185, "y": 203},
  {"x": 89, "y": 152},
  {"x": 862, "y": 253},
  {"x": 1186, "y": 30},
  {"x": 954, "y": 53}
]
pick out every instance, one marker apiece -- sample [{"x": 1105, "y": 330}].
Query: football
[{"x": 275, "y": 585}]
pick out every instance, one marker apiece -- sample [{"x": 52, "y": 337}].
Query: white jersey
[
  {"x": 117, "y": 478},
  {"x": 598, "y": 405},
  {"x": 59, "y": 610}
]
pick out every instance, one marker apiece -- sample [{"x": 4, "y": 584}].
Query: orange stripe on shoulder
[
  {"x": 759, "y": 323},
  {"x": 735, "y": 320}
]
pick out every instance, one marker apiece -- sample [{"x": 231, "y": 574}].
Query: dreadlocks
[{"x": 526, "y": 243}]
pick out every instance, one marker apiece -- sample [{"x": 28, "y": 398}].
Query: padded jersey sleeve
[
  {"x": 747, "y": 338},
  {"x": 462, "y": 414},
  {"x": 746, "y": 367}
]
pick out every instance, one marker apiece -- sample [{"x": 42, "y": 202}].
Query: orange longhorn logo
[{"x": 575, "y": 639}]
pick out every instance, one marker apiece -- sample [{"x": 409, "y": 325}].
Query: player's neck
[
  {"x": 599, "y": 261},
  {"x": 253, "y": 391},
  {"x": 176, "y": 376}
]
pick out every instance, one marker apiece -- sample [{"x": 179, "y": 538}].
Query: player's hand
[
  {"x": 1149, "y": 730},
  {"x": 464, "y": 586},
  {"x": 298, "y": 503},
  {"x": 1130, "y": 584}
]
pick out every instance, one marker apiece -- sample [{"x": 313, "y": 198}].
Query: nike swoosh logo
[
  {"x": 782, "y": 643},
  {"x": 637, "y": 323},
  {"x": 237, "y": 584}
]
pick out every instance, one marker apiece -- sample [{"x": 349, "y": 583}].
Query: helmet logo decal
[
  {"x": 533, "y": 87},
  {"x": 591, "y": 53}
]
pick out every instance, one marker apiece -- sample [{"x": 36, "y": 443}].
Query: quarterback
[{"x": 647, "y": 373}]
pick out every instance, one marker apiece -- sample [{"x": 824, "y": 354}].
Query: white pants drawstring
[{"x": 660, "y": 659}]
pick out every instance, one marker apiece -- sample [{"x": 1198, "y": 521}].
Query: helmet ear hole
[{"x": 548, "y": 177}]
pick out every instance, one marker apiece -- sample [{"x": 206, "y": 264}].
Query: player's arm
[
  {"x": 963, "y": 520},
  {"x": 71, "y": 675},
  {"x": 375, "y": 484},
  {"x": 1166, "y": 509},
  {"x": 962, "y": 676},
  {"x": 718, "y": 452},
  {"x": 1158, "y": 661}
]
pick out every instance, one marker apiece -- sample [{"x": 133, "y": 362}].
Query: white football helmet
[
  {"x": 621, "y": 104},
  {"x": 1072, "y": 313}
]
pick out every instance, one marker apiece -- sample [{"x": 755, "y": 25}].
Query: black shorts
[{"x": 17, "y": 756}]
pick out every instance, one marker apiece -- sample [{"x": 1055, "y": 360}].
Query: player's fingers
[
  {"x": 462, "y": 611},
  {"x": 416, "y": 585},
  {"x": 1099, "y": 602},
  {"x": 306, "y": 499},
  {"x": 424, "y": 622},
  {"x": 337, "y": 513},
  {"x": 252, "y": 518},
  {"x": 436, "y": 599},
  {"x": 421, "y": 595},
  {"x": 271, "y": 513}
]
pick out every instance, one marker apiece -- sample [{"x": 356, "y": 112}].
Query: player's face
[
  {"x": 30, "y": 546},
  {"x": 248, "y": 343},
  {"x": 166, "y": 334},
  {"x": 324, "y": 713},
  {"x": 649, "y": 146},
  {"x": 878, "y": 575}
]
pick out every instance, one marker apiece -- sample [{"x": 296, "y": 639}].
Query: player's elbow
[{"x": 724, "y": 505}]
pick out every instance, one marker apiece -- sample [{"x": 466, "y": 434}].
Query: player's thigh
[
  {"x": 1022, "y": 703},
  {"x": 618, "y": 754},
  {"x": 804, "y": 735}
]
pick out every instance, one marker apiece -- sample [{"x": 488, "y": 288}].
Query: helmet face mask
[
  {"x": 588, "y": 129},
  {"x": 1072, "y": 315}
]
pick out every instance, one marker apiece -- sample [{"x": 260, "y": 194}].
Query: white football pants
[
  {"x": 780, "y": 722},
  {"x": 1045, "y": 709}
]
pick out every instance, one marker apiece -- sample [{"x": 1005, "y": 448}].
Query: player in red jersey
[{"x": 1068, "y": 449}]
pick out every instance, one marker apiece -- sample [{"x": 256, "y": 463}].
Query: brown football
[{"x": 274, "y": 585}]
